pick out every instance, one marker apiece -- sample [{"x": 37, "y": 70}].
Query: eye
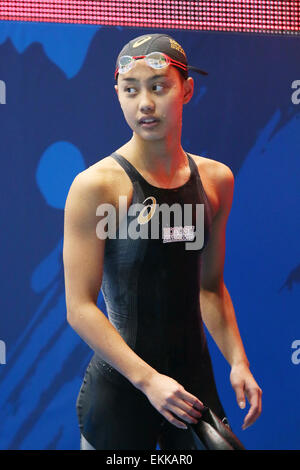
[
  {"x": 129, "y": 88},
  {"x": 159, "y": 85}
]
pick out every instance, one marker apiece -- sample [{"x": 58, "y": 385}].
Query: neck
[{"x": 160, "y": 156}]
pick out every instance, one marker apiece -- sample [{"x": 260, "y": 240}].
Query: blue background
[{"x": 62, "y": 115}]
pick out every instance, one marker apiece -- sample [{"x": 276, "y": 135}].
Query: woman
[{"x": 151, "y": 372}]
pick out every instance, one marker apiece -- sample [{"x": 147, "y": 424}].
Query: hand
[
  {"x": 243, "y": 384},
  {"x": 170, "y": 398}
]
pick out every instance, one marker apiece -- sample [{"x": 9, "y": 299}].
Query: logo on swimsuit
[
  {"x": 2, "y": 352},
  {"x": 177, "y": 234},
  {"x": 170, "y": 234},
  {"x": 142, "y": 218}
]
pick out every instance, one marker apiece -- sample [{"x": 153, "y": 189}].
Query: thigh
[{"x": 116, "y": 418}]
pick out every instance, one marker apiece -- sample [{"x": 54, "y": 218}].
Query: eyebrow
[{"x": 149, "y": 79}]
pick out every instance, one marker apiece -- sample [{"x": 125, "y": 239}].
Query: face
[{"x": 146, "y": 92}]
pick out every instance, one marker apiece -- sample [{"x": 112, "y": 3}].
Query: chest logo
[{"x": 144, "y": 215}]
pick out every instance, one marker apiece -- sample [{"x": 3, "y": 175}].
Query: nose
[{"x": 146, "y": 102}]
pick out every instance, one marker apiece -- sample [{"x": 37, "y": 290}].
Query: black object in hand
[{"x": 214, "y": 434}]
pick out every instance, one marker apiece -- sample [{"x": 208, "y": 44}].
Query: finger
[
  {"x": 190, "y": 409},
  {"x": 259, "y": 401},
  {"x": 183, "y": 414},
  {"x": 240, "y": 396},
  {"x": 255, "y": 408},
  {"x": 250, "y": 418},
  {"x": 179, "y": 424},
  {"x": 191, "y": 399},
  {"x": 184, "y": 406}
]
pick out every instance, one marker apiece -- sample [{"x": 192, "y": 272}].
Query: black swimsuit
[{"x": 151, "y": 288}]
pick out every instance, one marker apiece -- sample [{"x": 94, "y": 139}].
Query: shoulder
[
  {"x": 101, "y": 182},
  {"x": 216, "y": 171},
  {"x": 218, "y": 181}
]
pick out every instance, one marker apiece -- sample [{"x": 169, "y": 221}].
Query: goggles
[{"x": 156, "y": 60}]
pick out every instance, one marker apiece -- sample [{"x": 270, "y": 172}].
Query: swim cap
[{"x": 143, "y": 45}]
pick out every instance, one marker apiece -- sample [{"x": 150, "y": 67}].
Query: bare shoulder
[
  {"x": 217, "y": 179},
  {"x": 214, "y": 170},
  {"x": 102, "y": 182}
]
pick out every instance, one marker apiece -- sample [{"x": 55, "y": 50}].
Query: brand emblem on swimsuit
[
  {"x": 144, "y": 215},
  {"x": 141, "y": 41},
  {"x": 178, "y": 234}
]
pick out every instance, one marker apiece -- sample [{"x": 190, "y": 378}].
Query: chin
[
  {"x": 151, "y": 138},
  {"x": 151, "y": 134}
]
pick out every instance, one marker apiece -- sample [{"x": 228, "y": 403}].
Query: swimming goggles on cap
[{"x": 156, "y": 60}]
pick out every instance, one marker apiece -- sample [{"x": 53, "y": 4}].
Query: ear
[
  {"x": 116, "y": 88},
  {"x": 188, "y": 86}
]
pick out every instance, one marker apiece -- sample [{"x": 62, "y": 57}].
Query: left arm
[{"x": 216, "y": 305}]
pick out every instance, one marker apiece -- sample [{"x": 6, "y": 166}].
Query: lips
[{"x": 148, "y": 119}]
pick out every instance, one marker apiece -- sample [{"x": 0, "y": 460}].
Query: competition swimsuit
[{"x": 151, "y": 289}]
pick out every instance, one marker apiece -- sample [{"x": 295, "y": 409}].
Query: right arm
[{"x": 83, "y": 255}]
